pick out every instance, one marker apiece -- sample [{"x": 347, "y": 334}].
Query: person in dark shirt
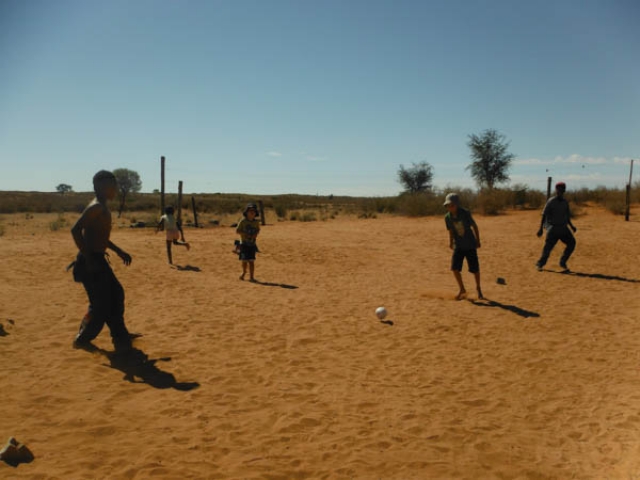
[
  {"x": 464, "y": 240},
  {"x": 556, "y": 218}
]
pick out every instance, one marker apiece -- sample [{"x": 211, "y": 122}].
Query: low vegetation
[{"x": 306, "y": 208}]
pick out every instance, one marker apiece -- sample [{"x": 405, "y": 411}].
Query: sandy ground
[{"x": 295, "y": 377}]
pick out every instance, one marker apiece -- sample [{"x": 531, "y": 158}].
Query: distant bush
[
  {"x": 417, "y": 205},
  {"x": 613, "y": 200},
  {"x": 281, "y": 210},
  {"x": 59, "y": 223}
]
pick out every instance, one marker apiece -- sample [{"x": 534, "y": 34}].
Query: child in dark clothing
[
  {"x": 248, "y": 229},
  {"x": 464, "y": 240}
]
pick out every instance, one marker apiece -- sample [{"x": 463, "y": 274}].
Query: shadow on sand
[
  {"x": 599, "y": 276},
  {"x": 511, "y": 308},
  {"x": 271, "y": 284},
  {"x": 139, "y": 368},
  {"x": 188, "y": 268}
]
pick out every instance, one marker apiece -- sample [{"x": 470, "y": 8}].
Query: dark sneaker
[
  {"x": 539, "y": 267},
  {"x": 84, "y": 345},
  {"x": 564, "y": 266}
]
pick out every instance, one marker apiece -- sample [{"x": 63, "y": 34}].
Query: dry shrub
[
  {"x": 419, "y": 204},
  {"x": 493, "y": 202},
  {"x": 58, "y": 223}
]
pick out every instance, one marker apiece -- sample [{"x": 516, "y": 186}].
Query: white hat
[{"x": 452, "y": 198}]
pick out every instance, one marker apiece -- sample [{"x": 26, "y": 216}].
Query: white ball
[{"x": 381, "y": 312}]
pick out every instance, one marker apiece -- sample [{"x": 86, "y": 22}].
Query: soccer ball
[{"x": 381, "y": 312}]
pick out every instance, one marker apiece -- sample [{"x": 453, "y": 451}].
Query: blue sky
[{"x": 317, "y": 97}]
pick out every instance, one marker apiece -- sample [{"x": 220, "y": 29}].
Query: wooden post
[
  {"x": 627, "y": 207},
  {"x": 628, "y": 199},
  {"x": 261, "y": 207},
  {"x": 179, "y": 214},
  {"x": 548, "y": 187},
  {"x": 161, "y": 185},
  {"x": 195, "y": 214}
]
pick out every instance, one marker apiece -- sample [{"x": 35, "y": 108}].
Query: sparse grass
[
  {"x": 612, "y": 199},
  {"x": 303, "y": 216},
  {"x": 58, "y": 223},
  {"x": 227, "y": 208}
]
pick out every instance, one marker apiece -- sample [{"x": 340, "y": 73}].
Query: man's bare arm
[
  {"x": 476, "y": 231},
  {"x": 126, "y": 258}
]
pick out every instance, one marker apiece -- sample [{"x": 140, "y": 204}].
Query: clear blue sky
[{"x": 326, "y": 97}]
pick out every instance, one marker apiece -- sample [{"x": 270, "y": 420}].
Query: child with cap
[
  {"x": 464, "y": 240},
  {"x": 556, "y": 218},
  {"x": 248, "y": 229}
]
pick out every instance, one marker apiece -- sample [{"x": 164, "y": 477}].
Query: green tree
[
  {"x": 128, "y": 182},
  {"x": 491, "y": 158},
  {"x": 418, "y": 178},
  {"x": 64, "y": 188}
]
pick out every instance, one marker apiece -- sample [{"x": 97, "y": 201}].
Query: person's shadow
[
  {"x": 188, "y": 268},
  {"x": 271, "y": 284},
  {"x": 139, "y": 368},
  {"x": 511, "y": 308},
  {"x": 599, "y": 276}
]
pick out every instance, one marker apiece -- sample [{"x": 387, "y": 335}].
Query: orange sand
[{"x": 297, "y": 378}]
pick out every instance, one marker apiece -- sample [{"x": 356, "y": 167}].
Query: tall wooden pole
[
  {"x": 628, "y": 202},
  {"x": 195, "y": 214},
  {"x": 261, "y": 207},
  {"x": 161, "y": 185},
  {"x": 179, "y": 214},
  {"x": 548, "y": 187}
]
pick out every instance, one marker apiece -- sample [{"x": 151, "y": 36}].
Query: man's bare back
[{"x": 92, "y": 230}]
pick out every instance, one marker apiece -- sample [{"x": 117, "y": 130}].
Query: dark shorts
[
  {"x": 248, "y": 252},
  {"x": 472, "y": 260}
]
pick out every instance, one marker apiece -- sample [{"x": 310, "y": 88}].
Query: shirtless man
[{"x": 106, "y": 295}]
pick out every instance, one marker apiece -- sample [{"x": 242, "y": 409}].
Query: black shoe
[
  {"x": 539, "y": 267},
  {"x": 84, "y": 345}
]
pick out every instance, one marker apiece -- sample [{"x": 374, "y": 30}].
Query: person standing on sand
[
  {"x": 174, "y": 231},
  {"x": 464, "y": 240},
  {"x": 556, "y": 218},
  {"x": 248, "y": 229},
  {"x": 106, "y": 296}
]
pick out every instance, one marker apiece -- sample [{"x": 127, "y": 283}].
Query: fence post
[
  {"x": 161, "y": 185},
  {"x": 195, "y": 214},
  {"x": 628, "y": 199},
  {"x": 179, "y": 215},
  {"x": 261, "y": 207}
]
